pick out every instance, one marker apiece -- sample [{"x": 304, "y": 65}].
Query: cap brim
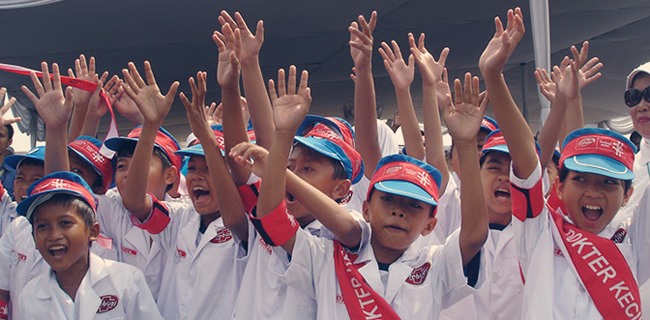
[
  {"x": 405, "y": 188},
  {"x": 598, "y": 164},
  {"x": 117, "y": 142},
  {"x": 321, "y": 145},
  {"x": 501, "y": 148},
  {"x": 87, "y": 161},
  {"x": 27, "y": 206},
  {"x": 13, "y": 160}
]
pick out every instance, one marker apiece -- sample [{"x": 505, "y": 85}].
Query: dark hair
[
  {"x": 126, "y": 151},
  {"x": 10, "y": 131},
  {"x": 431, "y": 213},
  {"x": 30, "y": 162},
  {"x": 71, "y": 201},
  {"x": 564, "y": 172}
]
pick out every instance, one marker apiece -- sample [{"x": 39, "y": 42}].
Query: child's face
[
  {"x": 62, "y": 237},
  {"x": 26, "y": 175},
  {"x": 396, "y": 221},
  {"x": 592, "y": 199},
  {"x": 641, "y": 112},
  {"x": 157, "y": 181},
  {"x": 315, "y": 169},
  {"x": 85, "y": 171},
  {"x": 495, "y": 174},
  {"x": 201, "y": 186}
]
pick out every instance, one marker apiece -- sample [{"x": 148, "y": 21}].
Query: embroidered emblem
[
  {"x": 586, "y": 141},
  {"x": 109, "y": 302},
  {"x": 178, "y": 255},
  {"x": 418, "y": 275},
  {"x": 557, "y": 252},
  {"x": 619, "y": 235},
  {"x": 339, "y": 299},
  {"x": 222, "y": 236},
  {"x": 129, "y": 251}
]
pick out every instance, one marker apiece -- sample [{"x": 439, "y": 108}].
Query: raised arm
[
  {"x": 463, "y": 120},
  {"x": 511, "y": 122},
  {"x": 97, "y": 106},
  {"x": 434, "y": 75},
  {"x": 85, "y": 70},
  {"x": 365, "y": 104},
  {"x": 258, "y": 99},
  {"x": 289, "y": 109},
  {"x": 154, "y": 108},
  {"x": 54, "y": 108},
  {"x": 401, "y": 74}
]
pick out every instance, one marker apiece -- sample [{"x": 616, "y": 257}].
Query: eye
[
  {"x": 386, "y": 198},
  {"x": 75, "y": 170},
  {"x": 415, "y": 205},
  {"x": 611, "y": 181},
  {"x": 40, "y": 226},
  {"x": 291, "y": 167},
  {"x": 66, "y": 223},
  {"x": 191, "y": 168},
  {"x": 579, "y": 179},
  {"x": 307, "y": 169}
]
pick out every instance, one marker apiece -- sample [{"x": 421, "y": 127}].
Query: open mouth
[
  {"x": 58, "y": 251},
  {"x": 200, "y": 193},
  {"x": 591, "y": 212},
  {"x": 290, "y": 198},
  {"x": 502, "y": 194}
]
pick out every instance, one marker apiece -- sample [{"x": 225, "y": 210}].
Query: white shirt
[
  {"x": 312, "y": 271},
  {"x": 7, "y": 211},
  {"x": 202, "y": 272},
  {"x": 553, "y": 290},
  {"x": 109, "y": 290},
  {"x": 132, "y": 245},
  {"x": 501, "y": 295}
]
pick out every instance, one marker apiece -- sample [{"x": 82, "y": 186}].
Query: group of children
[{"x": 276, "y": 214}]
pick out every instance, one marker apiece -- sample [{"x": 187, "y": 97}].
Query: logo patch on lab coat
[
  {"x": 222, "y": 236},
  {"x": 109, "y": 302},
  {"x": 418, "y": 275}
]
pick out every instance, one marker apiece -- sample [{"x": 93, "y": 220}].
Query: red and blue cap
[
  {"x": 87, "y": 148},
  {"x": 406, "y": 176},
  {"x": 37, "y": 153},
  {"x": 599, "y": 151},
  {"x": 489, "y": 124},
  {"x": 164, "y": 141},
  {"x": 495, "y": 142},
  {"x": 195, "y": 147},
  {"x": 56, "y": 183},
  {"x": 334, "y": 138}
]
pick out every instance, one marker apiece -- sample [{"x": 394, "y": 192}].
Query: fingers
[
  {"x": 443, "y": 56},
  {"x": 458, "y": 91},
  {"x": 47, "y": 82},
  {"x": 172, "y": 91},
  {"x": 241, "y": 24},
  {"x": 421, "y": 42},
  {"x": 134, "y": 79},
  {"x": 56, "y": 77},
  {"x": 467, "y": 91},
  {"x": 396, "y": 50},
  {"x": 219, "y": 39},
  {"x": 226, "y": 18},
  {"x": 445, "y": 77},
  {"x": 475, "y": 91},
  {"x": 281, "y": 83},
  {"x": 303, "y": 88},
  {"x": 151, "y": 80},
  {"x": 272, "y": 93}
]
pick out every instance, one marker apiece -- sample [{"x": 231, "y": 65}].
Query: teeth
[
  {"x": 503, "y": 190},
  {"x": 199, "y": 189},
  {"x": 589, "y": 207},
  {"x": 57, "y": 248}
]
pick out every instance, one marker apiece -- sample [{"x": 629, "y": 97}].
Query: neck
[
  {"x": 383, "y": 254},
  {"x": 306, "y": 220},
  {"x": 69, "y": 280},
  {"x": 499, "y": 218}
]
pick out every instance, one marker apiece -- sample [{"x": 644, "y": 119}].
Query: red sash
[
  {"x": 361, "y": 301},
  {"x": 79, "y": 84},
  {"x": 603, "y": 270}
]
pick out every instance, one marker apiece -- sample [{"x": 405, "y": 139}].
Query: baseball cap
[
  {"x": 599, "y": 151},
  {"x": 218, "y": 132},
  {"x": 330, "y": 136},
  {"x": 489, "y": 124},
  {"x": 164, "y": 141},
  {"x": 406, "y": 176},
  {"x": 645, "y": 68},
  {"x": 52, "y": 184},
  {"x": 87, "y": 148},
  {"x": 37, "y": 153},
  {"x": 495, "y": 142}
]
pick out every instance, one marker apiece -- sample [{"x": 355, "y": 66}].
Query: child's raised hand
[
  {"x": 195, "y": 109},
  {"x": 5, "y": 108},
  {"x": 84, "y": 70},
  {"x": 52, "y": 105},
  {"x": 401, "y": 74},
  {"x": 147, "y": 96},
  {"x": 212, "y": 114},
  {"x": 228, "y": 69},
  {"x": 463, "y": 119},
  {"x": 250, "y": 43},
  {"x": 503, "y": 43},
  {"x": 361, "y": 40},
  {"x": 123, "y": 103},
  {"x": 251, "y": 156},
  {"x": 546, "y": 84},
  {"x": 588, "y": 70},
  {"x": 431, "y": 70},
  {"x": 289, "y": 107},
  {"x": 566, "y": 79}
]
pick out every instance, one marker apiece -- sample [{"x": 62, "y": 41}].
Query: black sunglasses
[{"x": 633, "y": 96}]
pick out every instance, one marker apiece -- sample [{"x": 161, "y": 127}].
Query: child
[
  {"x": 575, "y": 266},
  {"x": 400, "y": 206},
  {"x": 80, "y": 285}
]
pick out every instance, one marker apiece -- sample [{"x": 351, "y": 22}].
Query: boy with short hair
[
  {"x": 80, "y": 285},
  {"x": 576, "y": 265},
  {"x": 401, "y": 205}
]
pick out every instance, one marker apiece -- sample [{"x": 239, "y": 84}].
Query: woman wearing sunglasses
[{"x": 637, "y": 98}]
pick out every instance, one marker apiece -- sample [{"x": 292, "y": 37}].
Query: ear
[
  {"x": 429, "y": 225},
  {"x": 559, "y": 188},
  {"x": 170, "y": 174},
  {"x": 94, "y": 232},
  {"x": 340, "y": 189},
  {"x": 366, "y": 211},
  {"x": 11, "y": 141},
  {"x": 627, "y": 195}
]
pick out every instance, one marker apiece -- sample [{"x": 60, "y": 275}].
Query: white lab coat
[
  {"x": 553, "y": 289},
  {"x": 109, "y": 290},
  {"x": 312, "y": 271},
  {"x": 202, "y": 272},
  {"x": 7, "y": 211}
]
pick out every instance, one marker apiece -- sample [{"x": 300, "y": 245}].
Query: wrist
[
  {"x": 489, "y": 75},
  {"x": 248, "y": 61}
]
